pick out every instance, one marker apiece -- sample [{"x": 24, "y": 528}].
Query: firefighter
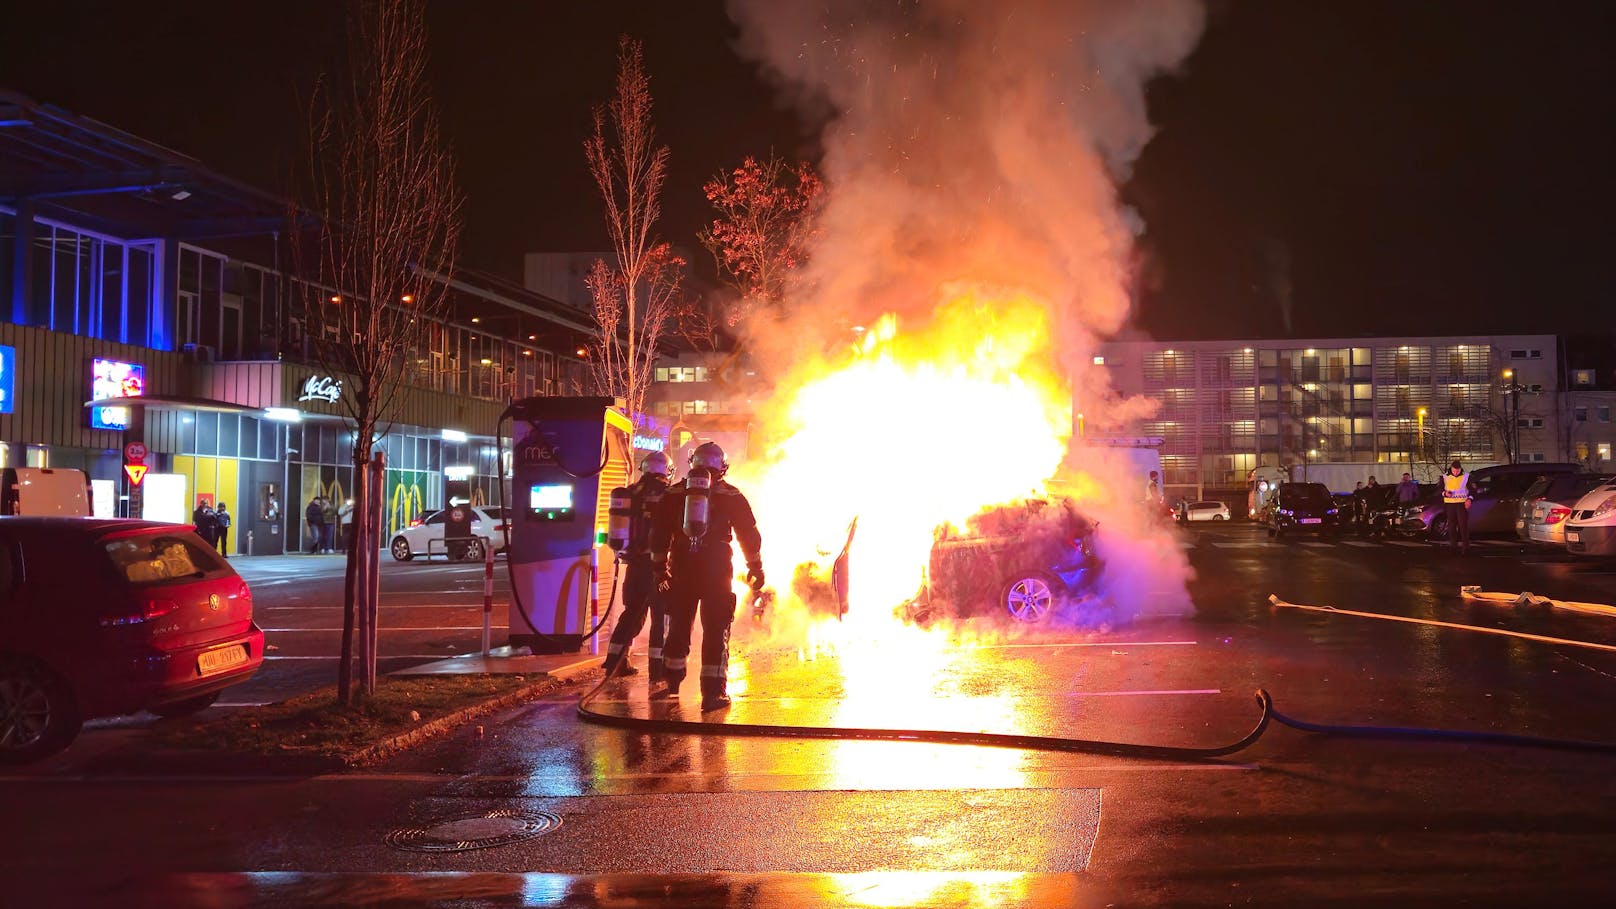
[
  {"x": 642, "y": 578},
  {"x": 692, "y": 532}
]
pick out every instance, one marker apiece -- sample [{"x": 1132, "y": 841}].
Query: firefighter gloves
[{"x": 754, "y": 575}]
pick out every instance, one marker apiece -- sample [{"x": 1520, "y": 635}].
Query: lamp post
[
  {"x": 1513, "y": 431},
  {"x": 1419, "y": 440}
]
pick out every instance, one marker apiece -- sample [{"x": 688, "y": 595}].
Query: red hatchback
[{"x": 106, "y": 617}]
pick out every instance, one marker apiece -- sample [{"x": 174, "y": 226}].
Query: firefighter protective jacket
[{"x": 729, "y": 516}]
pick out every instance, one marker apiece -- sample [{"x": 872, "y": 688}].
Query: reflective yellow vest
[{"x": 1455, "y": 488}]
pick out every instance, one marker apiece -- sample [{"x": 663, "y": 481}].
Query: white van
[
  {"x": 1591, "y": 529},
  {"x": 60, "y": 492}
]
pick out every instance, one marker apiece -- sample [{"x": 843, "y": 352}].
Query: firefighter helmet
[
  {"x": 655, "y": 462},
  {"x": 710, "y": 456}
]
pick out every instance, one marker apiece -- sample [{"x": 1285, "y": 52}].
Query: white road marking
[
  {"x": 1087, "y": 644},
  {"x": 1407, "y": 544},
  {"x": 393, "y": 628},
  {"x": 1225, "y": 545},
  {"x": 1314, "y": 544},
  {"x": 1361, "y": 544},
  {"x": 384, "y": 656}
]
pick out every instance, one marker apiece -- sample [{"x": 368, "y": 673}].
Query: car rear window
[
  {"x": 158, "y": 558},
  {"x": 497, "y": 512}
]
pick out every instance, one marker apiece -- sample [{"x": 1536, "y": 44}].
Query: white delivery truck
[{"x": 53, "y": 492}]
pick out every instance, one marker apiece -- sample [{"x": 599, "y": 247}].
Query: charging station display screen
[{"x": 550, "y": 501}]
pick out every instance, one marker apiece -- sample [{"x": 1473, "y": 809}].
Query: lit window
[
  {"x": 662, "y": 374},
  {"x": 1582, "y": 377},
  {"x": 1099, "y": 361},
  {"x": 1604, "y": 451}
]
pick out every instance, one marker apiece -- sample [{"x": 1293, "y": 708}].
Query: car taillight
[
  {"x": 151, "y": 609},
  {"x": 244, "y": 592},
  {"x": 1556, "y": 515},
  {"x": 416, "y": 523}
]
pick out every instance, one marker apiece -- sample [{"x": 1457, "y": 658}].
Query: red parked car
[{"x": 107, "y": 617}]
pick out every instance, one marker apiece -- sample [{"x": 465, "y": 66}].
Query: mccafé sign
[{"x": 321, "y": 388}]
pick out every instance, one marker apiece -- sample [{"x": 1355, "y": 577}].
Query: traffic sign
[
  {"x": 136, "y": 472},
  {"x": 135, "y": 452}
]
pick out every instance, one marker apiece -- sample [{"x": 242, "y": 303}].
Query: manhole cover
[{"x": 483, "y": 831}]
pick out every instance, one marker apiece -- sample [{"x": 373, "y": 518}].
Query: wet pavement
[{"x": 653, "y": 819}]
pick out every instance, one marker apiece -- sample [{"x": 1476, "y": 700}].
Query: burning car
[{"x": 1023, "y": 560}]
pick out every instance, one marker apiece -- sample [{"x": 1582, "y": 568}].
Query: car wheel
[
  {"x": 401, "y": 549},
  {"x": 1029, "y": 596},
  {"x": 473, "y": 551},
  {"x": 38, "y": 716},
  {"x": 1217, "y": 517},
  {"x": 1439, "y": 529},
  {"x": 186, "y": 707}
]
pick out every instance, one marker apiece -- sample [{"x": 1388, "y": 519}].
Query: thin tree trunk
[
  {"x": 356, "y": 563},
  {"x": 350, "y": 617},
  {"x": 373, "y": 521}
]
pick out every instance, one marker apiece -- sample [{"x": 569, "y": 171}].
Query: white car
[
  {"x": 1591, "y": 529},
  {"x": 1203, "y": 511},
  {"x": 418, "y": 538}
]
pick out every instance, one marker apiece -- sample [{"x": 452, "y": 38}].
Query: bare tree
[
  {"x": 764, "y": 227},
  {"x": 383, "y": 182},
  {"x": 637, "y": 294}
]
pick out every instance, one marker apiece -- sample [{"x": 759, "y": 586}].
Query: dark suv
[
  {"x": 105, "y": 617},
  {"x": 1495, "y": 494},
  {"x": 1302, "y": 507}
]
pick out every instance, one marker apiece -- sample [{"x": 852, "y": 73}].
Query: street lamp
[{"x": 1512, "y": 435}]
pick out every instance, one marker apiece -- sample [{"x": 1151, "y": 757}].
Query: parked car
[
  {"x": 1495, "y": 500},
  {"x": 1381, "y": 510},
  {"x": 1024, "y": 560},
  {"x": 1302, "y": 507},
  {"x": 1546, "y": 504},
  {"x": 416, "y": 539},
  {"x": 103, "y": 617},
  {"x": 1591, "y": 529},
  {"x": 1201, "y": 511}
]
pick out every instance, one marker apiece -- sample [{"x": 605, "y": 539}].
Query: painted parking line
[
  {"x": 384, "y": 656},
  {"x": 1361, "y": 544},
  {"x": 1315, "y": 544},
  {"x": 478, "y": 627}
]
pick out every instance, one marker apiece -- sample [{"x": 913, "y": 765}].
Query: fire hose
[{"x": 1265, "y": 703}]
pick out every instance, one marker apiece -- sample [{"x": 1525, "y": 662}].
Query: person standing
[
  {"x": 345, "y": 524},
  {"x": 1407, "y": 490},
  {"x": 221, "y": 520},
  {"x": 206, "y": 527},
  {"x": 699, "y": 569},
  {"x": 328, "y": 529},
  {"x": 314, "y": 515},
  {"x": 1360, "y": 507},
  {"x": 641, "y": 578},
  {"x": 1456, "y": 504}
]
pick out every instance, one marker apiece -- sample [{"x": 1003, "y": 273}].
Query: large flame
[{"x": 910, "y": 428}]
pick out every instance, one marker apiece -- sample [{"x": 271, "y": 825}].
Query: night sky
[{"x": 1401, "y": 167}]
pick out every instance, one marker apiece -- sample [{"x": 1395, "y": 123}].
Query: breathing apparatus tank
[
  {"x": 698, "y": 486},
  {"x": 620, "y": 518}
]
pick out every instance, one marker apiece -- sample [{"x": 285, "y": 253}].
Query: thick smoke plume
[{"x": 975, "y": 144}]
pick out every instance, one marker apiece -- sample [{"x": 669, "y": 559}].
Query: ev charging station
[{"x": 568, "y": 456}]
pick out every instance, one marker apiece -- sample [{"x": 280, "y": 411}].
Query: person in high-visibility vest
[{"x": 1456, "y": 504}]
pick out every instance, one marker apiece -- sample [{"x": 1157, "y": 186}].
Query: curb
[{"x": 551, "y": 681}]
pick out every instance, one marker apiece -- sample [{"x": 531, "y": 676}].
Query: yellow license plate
[{"x": 219, "y": 660}]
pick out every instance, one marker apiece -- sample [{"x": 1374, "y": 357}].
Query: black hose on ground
[
  {"x": 1443, "y": 735},
  {"x": 934, "y": 736}
]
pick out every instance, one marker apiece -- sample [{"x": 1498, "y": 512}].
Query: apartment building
[{"x": 1226, "y": 407}]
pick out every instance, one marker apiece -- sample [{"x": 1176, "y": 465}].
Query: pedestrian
[
  {"x": 345, "y": 521},
  {"x": 221, "y": 520},
  {"x": 1360, "y": 507},
  {"x": 1153, "y": 490},
  {"x": 328, "y": 530},
  {"x": 314, "y": 515},
  {"x": 699, "y": 563},
  {"x": 641, "y": 578},
  {"x": 1456, "y": 504},
  {"x": 206, "y": 527},
  {"x": 1407, "y": 490}
]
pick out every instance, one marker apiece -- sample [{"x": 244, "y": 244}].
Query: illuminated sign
[
  {"x": 650, "y": 443},
  {"x": 321, "y": 388},
  {"x": 136, "y": 472},
  {"x": 114, "y": 379},
  {"x": 8, "y": 380}
]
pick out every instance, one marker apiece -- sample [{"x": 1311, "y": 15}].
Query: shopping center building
[{"x": 135, "y": 277}]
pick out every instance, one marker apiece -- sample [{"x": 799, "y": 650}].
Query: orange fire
[{"x": 910, "y": 428}]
